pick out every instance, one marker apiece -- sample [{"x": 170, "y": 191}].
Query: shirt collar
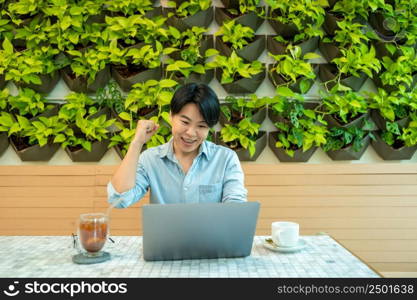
[{"x": 167, "y": 150}]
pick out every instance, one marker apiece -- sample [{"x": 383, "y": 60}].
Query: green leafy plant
[
  {"x": 246, "y": 6},
  {"x": 4, "y": 98},
  {"x": 89, "y": 62},
  {"x": 122, "y": 138},
  {"x": 33, "y": 32},
  {"x": 339, "y": 138},
  {"x": 6, "y": 28},
  {"x": 397, "y": 136},
  {"x": 236, "y": 35},
  {"x": 77, "y": 104},
  {"x": 6, "y": 56},
  {"x": 306, "y": 15},
  {"x": 356, "y": 60},
  {"x": 292, "y": 66},
  {"x": 354, "y": 8},
  {"x": 43, "y": 131},
  {"x": 28, "y": 64},
  {"x": 129, "y": 7},
  {"x": 401, "y": 18},
  {"x": 8, "y": 123},
  {"x": 28, "y": 103},
  {"x": 135, "y": 29},
  {"x": 190, "y": 7},
  {"x": 147, "y": 96},
  {"x": 235, "y": 109},
  {"x": 400, "y": 70},
  {"x": 392, "y": 106},
  {"x": 73, "y": 25},
  {"x": 184, "y": 68},
  {"x": 234, "y": 68},
  {"x": 409, "y": 135},
  {"x": 243, "y": 134},
  {"x": 25, "y": 7},
  {"x": 344, "y": 106},
  {"x": 148, "y": 56},
  {"x": 189, "y": 42},
  {"x": 92, "y": 130},
  {"x": 348, "y": 34},
  {"x": 300, "y": 128},
  {"x": 110, "y": 96}
]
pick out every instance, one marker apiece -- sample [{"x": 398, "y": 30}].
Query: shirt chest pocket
[{"x": 210, "y": 193}]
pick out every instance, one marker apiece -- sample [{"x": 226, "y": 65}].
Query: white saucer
[{"x": 272, "y": 246}]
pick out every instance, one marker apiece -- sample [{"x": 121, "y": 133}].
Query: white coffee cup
[{"x": 285, "y": 234}]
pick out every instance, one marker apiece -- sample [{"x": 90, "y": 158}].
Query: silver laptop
[{"x": 198, "y": 230}]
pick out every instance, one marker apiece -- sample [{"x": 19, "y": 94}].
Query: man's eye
[
  {"x": 186, "y": 123},
  {"x": 202, "y": 126}
]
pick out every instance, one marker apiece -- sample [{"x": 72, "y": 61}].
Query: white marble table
[{"x": 50, "y": 256}]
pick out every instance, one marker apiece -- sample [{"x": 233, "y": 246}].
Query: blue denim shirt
[{"x": 214, "y": 176}]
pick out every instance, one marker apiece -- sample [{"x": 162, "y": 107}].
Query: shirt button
[{"x": 185, "y": 189}]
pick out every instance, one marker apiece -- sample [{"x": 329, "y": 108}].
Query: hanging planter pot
[
  {"x": 331, "y": 19},
  {"x": 276, "y": 47},
  {"x": 118, "y": 150},
  {"x": 195, "y": 77},
  {"x": 330, "y": 22},
  {"x": 230, "y": 3},
  {"x": 79, "y": 84},
  {"x": 330, "y": 51},
  {"x": 4, "y": 142},
  {"x": 243, "y": 153},
  {"x": 49, "y": 81},
  {"x": 277, "y": 80},
  {"x": 206, "y": 43},
  {"x": 2, "y": 81},
  {"x": 328, "y": 72},
  {"x": 242, "y": 85},
  {"x": 381, "y": 50},
  {"x": 98, "y": 149},
  {"x": 258, "y": 116},
  {"x": 127, "y": 76},
  {"x": 358, "y": 122},
  {"x": 250, "y": 52},
  {"x": 299, "y": 155},
  {"x": 285, "y": 30},
  {"x": 250, "y": 19},
  {"x": 381, "y": 123},
  {"x": 148, "y": 112},
  {"x": 348, "y": 153},
  {"x": 35, "y": 152},
  {"x": 388, "y": 152},
  {"x": 154, "y": 12},
  {"x": 201, "y": 19},
  {"x": 378, "y": 21}
]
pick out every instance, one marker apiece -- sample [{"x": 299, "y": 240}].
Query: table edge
[{"x": 355, "y": 255}]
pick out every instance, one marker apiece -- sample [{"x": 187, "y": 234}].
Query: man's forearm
[{"x": 125, "y": 176}]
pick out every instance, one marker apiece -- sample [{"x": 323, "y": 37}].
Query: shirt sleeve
[
  {"x": 233, "y": 185},
  {"x": 133, "y": 195}
]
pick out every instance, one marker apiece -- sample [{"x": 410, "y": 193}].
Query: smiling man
[{"x": 187, "y": 169}]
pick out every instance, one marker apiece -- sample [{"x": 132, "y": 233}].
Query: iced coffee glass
[{"x": 93, "y": 230}]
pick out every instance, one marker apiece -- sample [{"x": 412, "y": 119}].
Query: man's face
[{"x": 189, "y": 129}]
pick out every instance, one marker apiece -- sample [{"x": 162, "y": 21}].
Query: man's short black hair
[{"x": 200, "y": 94}]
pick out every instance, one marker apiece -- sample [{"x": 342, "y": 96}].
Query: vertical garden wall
[{"x": 293, "y": 76}]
